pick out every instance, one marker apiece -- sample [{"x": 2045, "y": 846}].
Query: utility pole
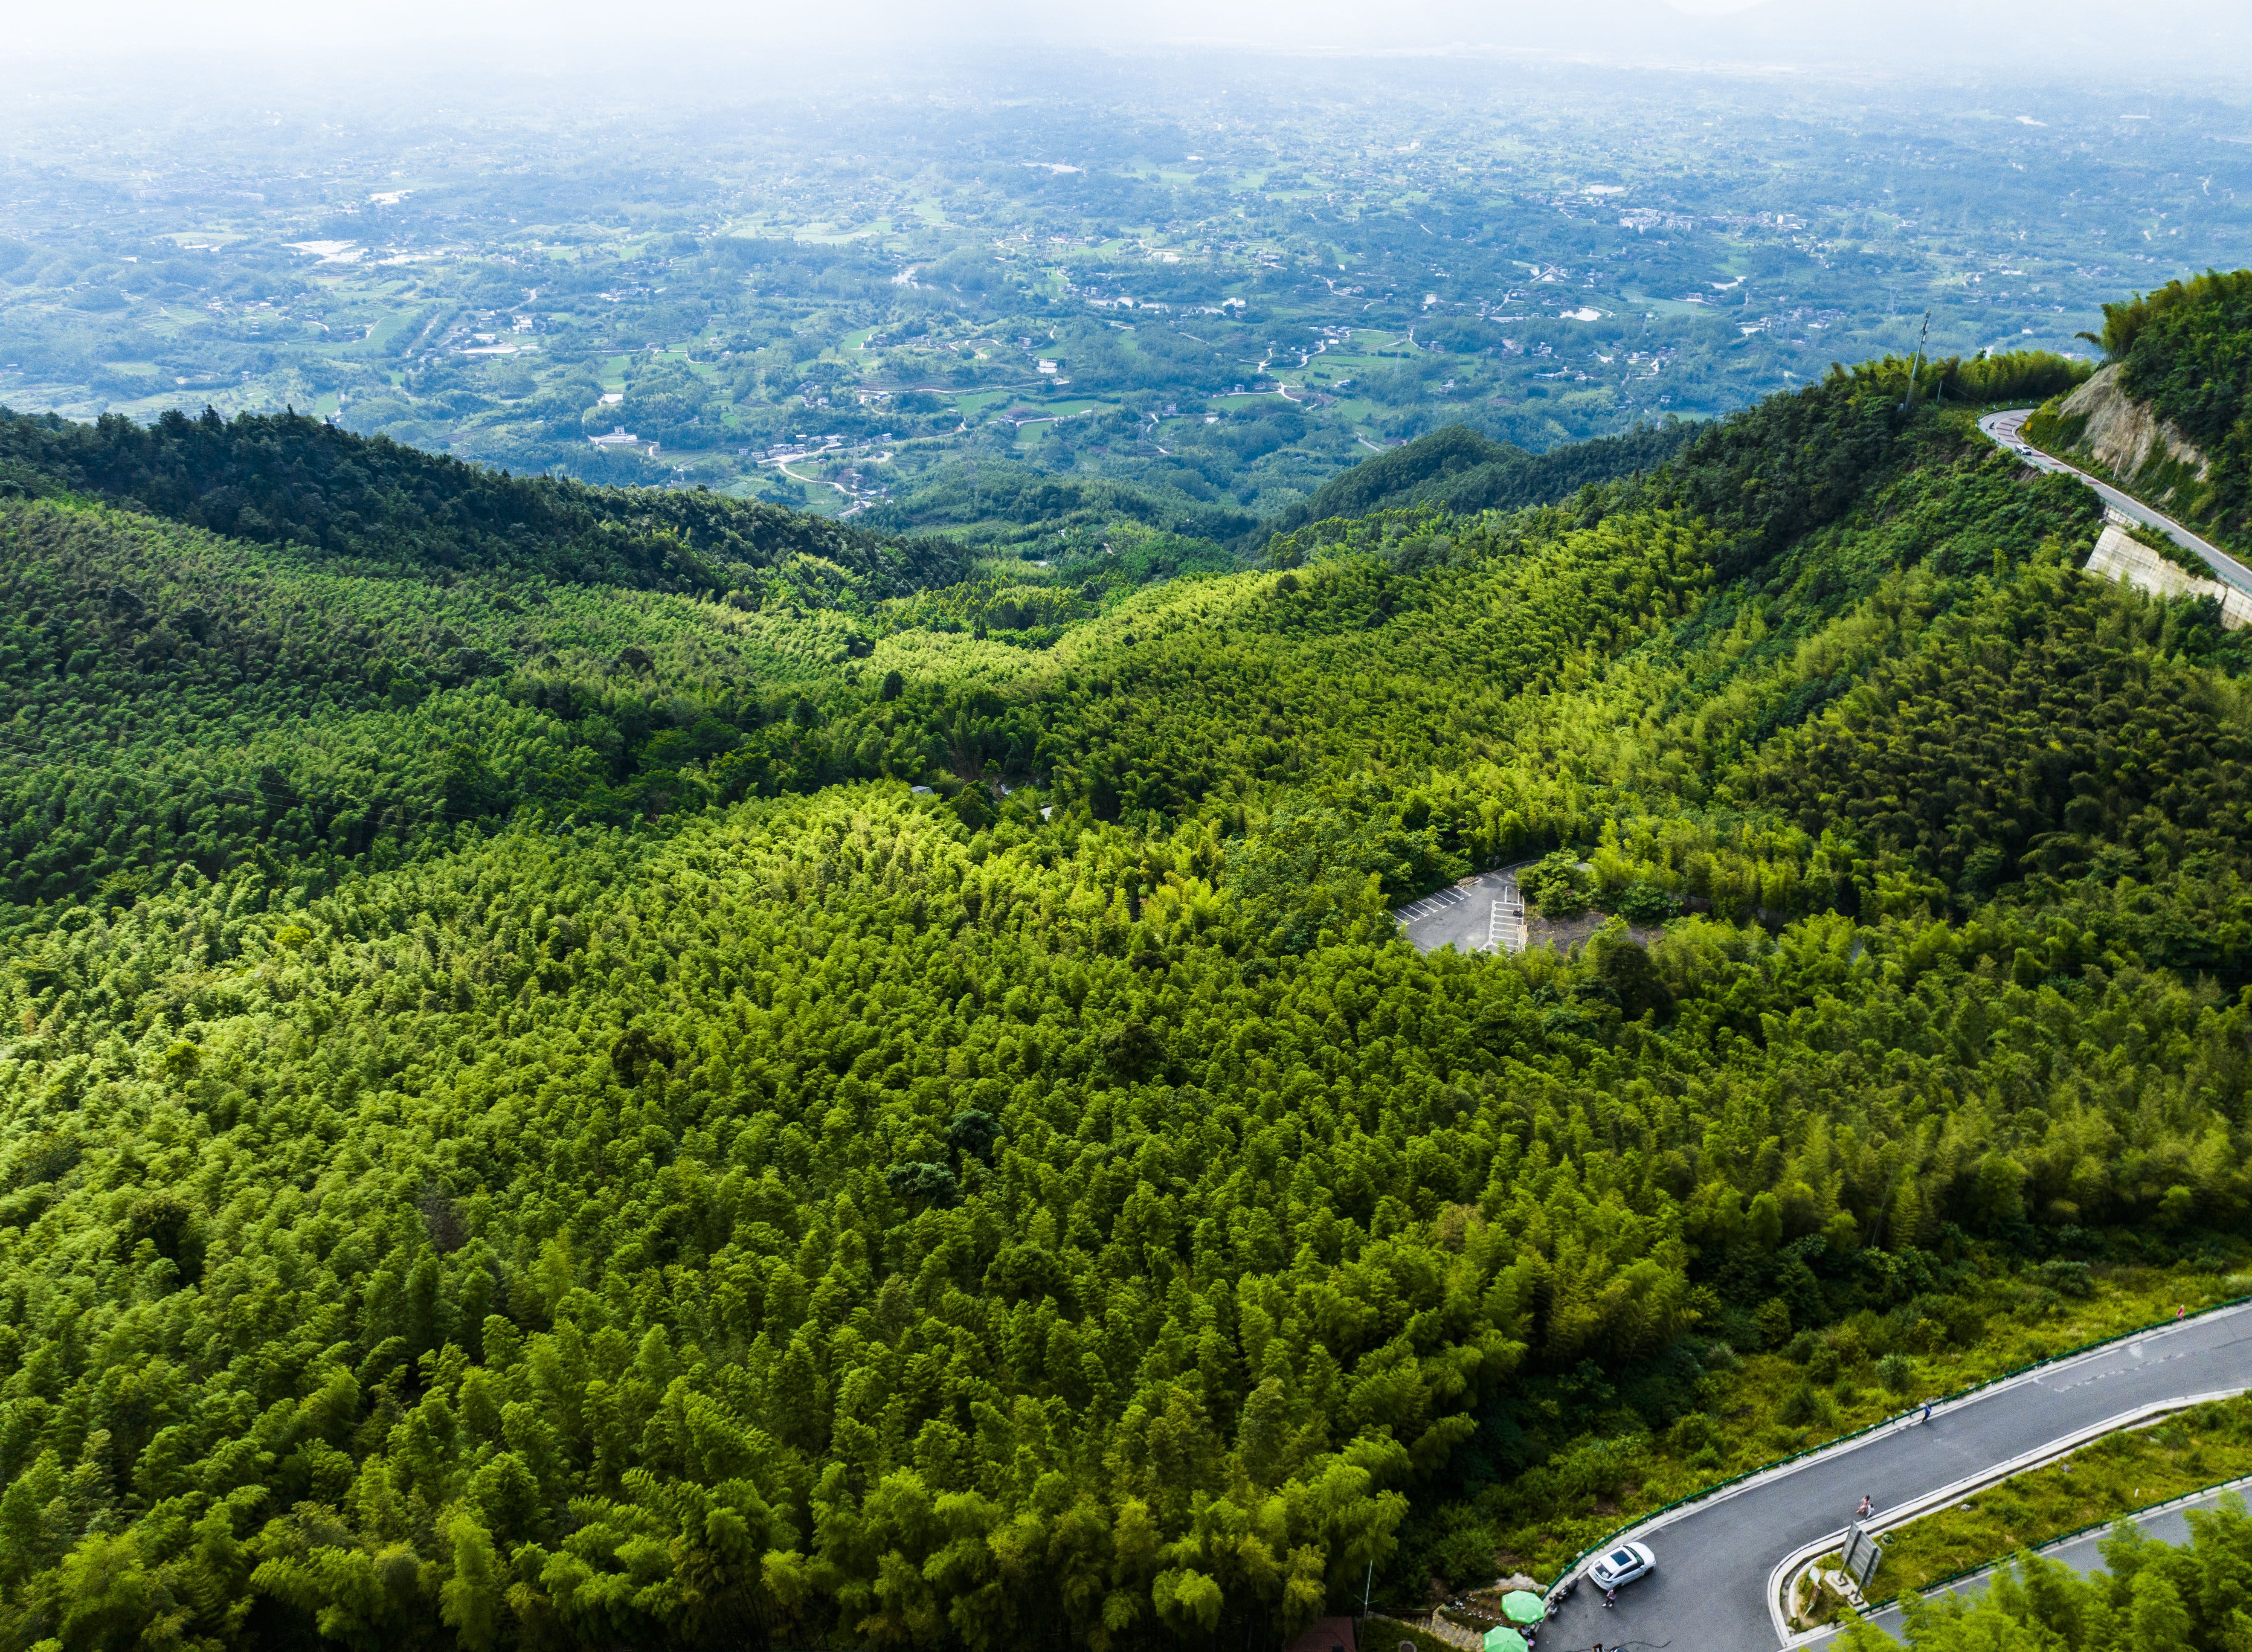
[
  {"x": 1364, "y": 1584},
  {"x": 1918, "y": 362}
]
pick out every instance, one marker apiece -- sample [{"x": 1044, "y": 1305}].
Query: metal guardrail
[
  {"x": 2060, "y": 1539},
  {"x": 1620, "y": 1533},
  {"x": 2224, "y": 566},
  {"x": 1977, "y": 1484}
]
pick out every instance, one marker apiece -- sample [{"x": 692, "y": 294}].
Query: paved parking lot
[{"x": 1481, "y": 913}]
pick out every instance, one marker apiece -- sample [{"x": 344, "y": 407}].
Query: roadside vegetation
[
  {"x": 1761, "y": 1407},
  {"x": 2104, "y": 1480},
  {"x": 2148, "y": 1594},
  {"x": 2184, "y": 352}
]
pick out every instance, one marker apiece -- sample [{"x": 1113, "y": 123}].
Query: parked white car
[{"x": 1623, "y": 1566}]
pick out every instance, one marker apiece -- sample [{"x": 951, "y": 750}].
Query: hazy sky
[{"x": 2201, "y": 39}]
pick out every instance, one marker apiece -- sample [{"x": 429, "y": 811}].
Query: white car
[{"x": 1623, "y": 1566}]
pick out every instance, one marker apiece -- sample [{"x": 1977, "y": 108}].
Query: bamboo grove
[{"x": 540, "y": 1112}]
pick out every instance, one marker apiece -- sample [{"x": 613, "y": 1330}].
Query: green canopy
[
  {"x": 1522, "y": 1606},
  {"x": 1501, "y": 1640}
]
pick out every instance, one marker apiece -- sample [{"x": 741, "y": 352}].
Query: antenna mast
[{"x": 1918, "y": 362}]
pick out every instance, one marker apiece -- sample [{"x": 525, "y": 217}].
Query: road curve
[
  {"x": 1714, "y": 1558},
  {"x": 2083, "y": 1553},
  {"x": 2006, "y": 430}
]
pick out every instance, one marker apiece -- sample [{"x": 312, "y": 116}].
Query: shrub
[
  {"x": 1774, "y": 1317},
  {"x": 1645, "y": 903},
  {"x": 1692, "y": 1435},
  {"x": 1465, "y": 1555},
  {"x": 2067, "y": 1278},
  {"x": 1802, "y": 1404},
  {"x": 1560, "y": 884}
]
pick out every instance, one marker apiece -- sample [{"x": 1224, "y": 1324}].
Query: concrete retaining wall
[{"x": 2118, "y": 556}]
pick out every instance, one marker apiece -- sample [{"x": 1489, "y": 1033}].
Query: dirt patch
[{"x": 1568, "y": 935}]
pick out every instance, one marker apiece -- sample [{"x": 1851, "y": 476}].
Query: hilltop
[{"x": 1460, "y": 471}]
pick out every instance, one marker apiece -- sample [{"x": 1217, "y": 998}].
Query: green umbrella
[
  {"x": 1522, "y": 1606},
  {"x": 1500, "y": 1640}
]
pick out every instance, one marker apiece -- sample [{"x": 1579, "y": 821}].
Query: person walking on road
[
  {"x": 1927, "y": 1411},
  {"x": 1862, "y": 1513}
]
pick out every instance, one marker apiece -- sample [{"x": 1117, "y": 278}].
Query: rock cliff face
[{"x": 2125, "y": 434}]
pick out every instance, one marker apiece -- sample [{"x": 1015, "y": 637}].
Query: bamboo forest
[{"x": 591, "y": 1067}]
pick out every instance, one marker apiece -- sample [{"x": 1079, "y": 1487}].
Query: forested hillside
[
  {"x": 290, "y": 480},
  {"x": 584, "y": 1154},
  {"x": 1458, "y": 470},
  {"x": 2182, "y": 358}
]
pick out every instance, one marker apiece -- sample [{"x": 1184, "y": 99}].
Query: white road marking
[
  {"x": 2005, "y": 429},
  {"x": 1504, "y": 928},
  {"x": 1504, "y": 911},
  {"x": 1430, "y": 905}
]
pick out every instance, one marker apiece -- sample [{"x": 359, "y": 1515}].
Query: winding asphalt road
[
  {"x": 1714, "y": 1558},
  {"x": 2006, "y": 430}
]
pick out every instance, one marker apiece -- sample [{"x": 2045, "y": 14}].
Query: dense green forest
[
  {"x": 1458, "y": 470},
  {"x": 287, "y": 479},
  {"x": 544, "y": 1106}
]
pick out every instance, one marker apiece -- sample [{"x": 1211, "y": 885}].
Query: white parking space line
[
  {"x": 1504, "y": 930},
  {"x": 1431, "y": 905},
  {"x": 1504, "y": 914}
]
